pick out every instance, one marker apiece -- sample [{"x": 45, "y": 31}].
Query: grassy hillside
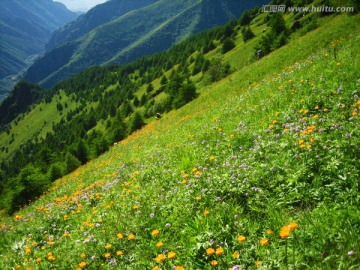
[{"x": 259, "y": 172}]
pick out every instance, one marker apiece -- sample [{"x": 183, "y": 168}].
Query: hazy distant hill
[
  {"x": 140, "y": 28},
  {"x": 25, "y": 28}
]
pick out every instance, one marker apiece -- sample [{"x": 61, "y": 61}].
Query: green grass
[
  {"x": 275, "y": 142},
  {"x": 35, "y": 124}
]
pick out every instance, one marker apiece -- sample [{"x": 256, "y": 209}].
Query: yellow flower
[
  {"x": 285, "y": 232},
  {"x": 258, "y": 263},
  {"x": 131, "y": 236},
  {"x": 206, "y": 212},
  {"x": 210, "y": 251},
  {"x": 159, "y": 244},
  {"x": 160, "y": 258},
  {"x": 120, "y": 236},
  {"x": 264, "y": 242},
  {"x": 198, "y": 198},
  {"x": 269, "y": 231},
  {"x": 108, "y": 246},
  {"x": 301, "y": 141},
  {"x": 219, "y": 251},
  {"x": 241, "y": 238},
  {"x": 38, "y": 260},
  {"x": 82, "y": 264},
  {"x": 83, "y": 255},
  {"x": 235, "y": 255},
  {"x": 214, "y": 263},
  {"x": 107, "y": 255},
  {"x": 212, "y": 158},
  {"x": 27, "y": 250},
  {"x": 179, "y": 268},
  {"x": 155, "y": 232},
  {"x": 171, "y": 255},
  {"x": 156, "y": 268},
  {"x": 293, "y": 225},
  {"x": 119, "y": 253},
  {"x": 312, "y": 140}
]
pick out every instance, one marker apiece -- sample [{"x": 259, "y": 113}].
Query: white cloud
[{"x": 80, "y": 5}]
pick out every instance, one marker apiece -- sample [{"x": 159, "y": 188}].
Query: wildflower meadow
[{"x": 252, "y": 174}]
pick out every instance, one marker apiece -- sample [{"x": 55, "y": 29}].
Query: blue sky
[{"x": 80, "y": 5}]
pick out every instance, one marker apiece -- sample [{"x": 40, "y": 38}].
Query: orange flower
[
  {"x": 120, "y": 236},
  {"x": 293, "y": 225},
  {"x": 155, "y": 232},
  {"x": 269, "y": 231},
  {"x": 264, "y": 242},
  {"x": 107, "y": 255},
  {"x": 210, "y": 251},
  {"x": 82, "y": 264},
  {"x": 179, "y": 268},
  {"x": 206, "y": 212},
  {"x": 235, "y": 255},
  {"x": 160, "y": 258},
  {"x": 119, "y": 253},
  {"x": 219, "y": 251},
  {"x": 285, "y": 232},
  {"x": 241, "y": 238},
  {"x": 159, "y": 244},
  {"x": 214, "y": 263},
  {"x": 258, "y": 263},
  {"x": 38, "y": 260},
  {"x": 155, "y": 268},
  {"x": 171, "y": 255},
  {"x": 131, "y": 236}
]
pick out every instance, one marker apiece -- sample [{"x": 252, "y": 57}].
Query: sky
[{"x": 80, "y": 5}]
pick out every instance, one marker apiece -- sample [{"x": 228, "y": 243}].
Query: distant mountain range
[
  {"x": 120, "y": 31},
  {"x": 25, "y": 27}
]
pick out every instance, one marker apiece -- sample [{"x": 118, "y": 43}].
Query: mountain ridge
[
  {"x": 101, "y": 45},
  {"x": 25, "y": 27}
]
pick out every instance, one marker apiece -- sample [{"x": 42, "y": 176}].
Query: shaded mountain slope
[
  {"x": 137, "y": 33},
  {"x": 25, "y": 27}
]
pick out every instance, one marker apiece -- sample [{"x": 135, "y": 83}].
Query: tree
[
  {"x": 218, "y": 70},
  {"x": 228, "y": 45},
  {"x": 149, "y": 88},
  {"x": 186, "y": 94},
  {"x": 136, "y": 122},
  {"x": 82, "y": 152},
  {"x": 71, "y": 162},
  {"x": 247, "y": 34}
]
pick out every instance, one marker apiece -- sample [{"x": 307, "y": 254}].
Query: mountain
[
  {"x": 140, "y": 28},
  {"x": 25, "y": 28}
]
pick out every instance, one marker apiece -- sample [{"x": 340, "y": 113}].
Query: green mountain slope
[
  {"x": 95, "y": 17},
  {"x": 133, "y": 35},
  {"x": 258, "y": 172},
  {"x": 25, "y": 28}
]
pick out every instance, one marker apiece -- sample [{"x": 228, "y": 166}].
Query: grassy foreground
[{"x": 259, "y": 172}]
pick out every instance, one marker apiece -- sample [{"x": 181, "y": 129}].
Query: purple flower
[
  {"x": 236, "y": 267},
  {"x": 152, "y": 215},
  {"x": 112, "y": 262},
  {"x": 323, "y": 254},
  {"x": 348, "y": 135}
]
